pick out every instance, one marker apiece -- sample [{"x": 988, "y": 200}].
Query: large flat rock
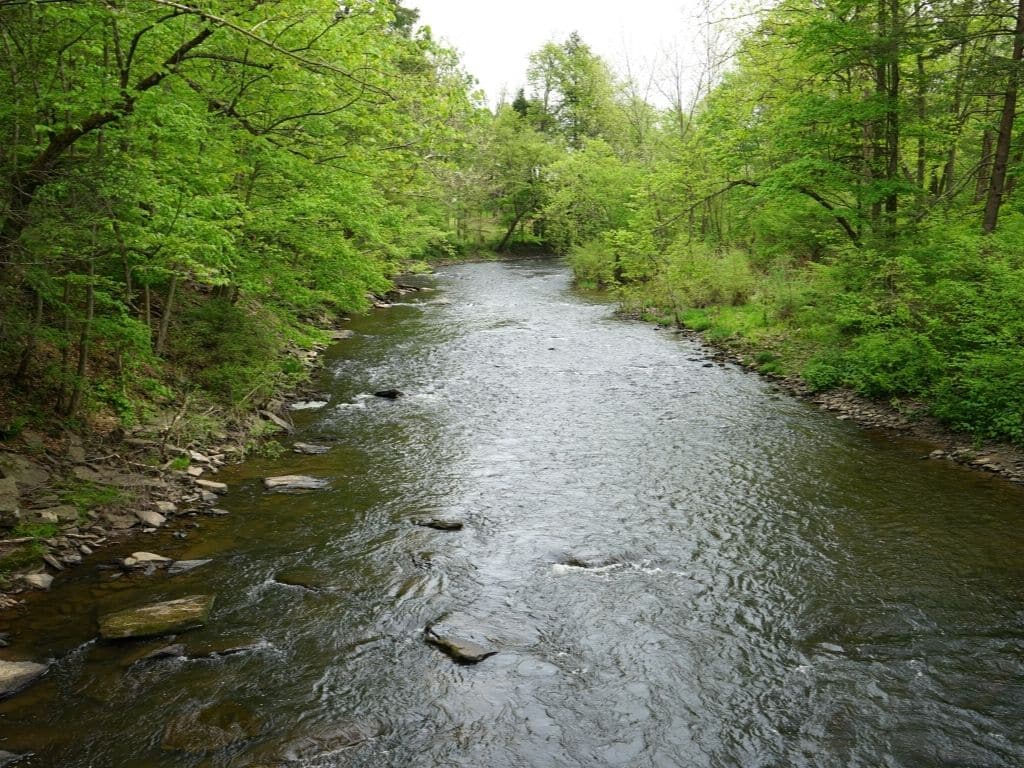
[
  {"x": 288, "y": 483},
  {"x": 157, "y": 619},
  {"x": 457, "y": 637},
  {"x": 15, "y": 675}
]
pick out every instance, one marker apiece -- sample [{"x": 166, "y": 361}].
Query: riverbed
[{"x": 677, "y": 564}]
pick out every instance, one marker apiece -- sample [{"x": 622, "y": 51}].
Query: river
[{"x": 770, "y": 586}]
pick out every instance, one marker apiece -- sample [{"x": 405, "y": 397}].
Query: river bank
[
  {"x": 909, "y": 419},
  {"x": 65, "y": 495}
]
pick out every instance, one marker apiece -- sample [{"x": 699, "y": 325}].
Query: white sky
[{"x": 496, "y": 38}]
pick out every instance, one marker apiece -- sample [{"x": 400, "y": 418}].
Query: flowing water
[{"x": 770, "y": 586}]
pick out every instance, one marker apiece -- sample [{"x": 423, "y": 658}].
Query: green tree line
[
  {"x": 841, "y": 203},
  {"x": 183, "y": 184}
]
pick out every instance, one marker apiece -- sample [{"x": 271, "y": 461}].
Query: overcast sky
[{"x": 496, "y": 38}]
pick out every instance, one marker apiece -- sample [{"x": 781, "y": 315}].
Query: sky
[{"x": 496, "y": 38}]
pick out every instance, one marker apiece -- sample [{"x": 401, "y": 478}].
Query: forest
[{"x": 190, "y": 191}]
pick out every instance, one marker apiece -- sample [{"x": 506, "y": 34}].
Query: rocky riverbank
[
  {"x": 907, "y": 419},
  {"x": 64, "y": 495}
]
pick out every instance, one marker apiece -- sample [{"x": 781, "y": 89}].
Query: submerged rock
[
  {"x": 211, "y": 728},
  {"x": 389, "y": 394},
  {"x": 313, "y": 744},
  {"x": 184, "y": 566},
  {"x": 302, "y": 576},
  {"x": 285, "y": 483},
  {"x": 456, "y": 637},
  {"x": 307, "y": 405},
  {"x": 311, "y": 449},
  {"x": 157, "y": 619},
  {"x": 15, "y": 675},
  {"x": 441, "y": 523},
  {"x": 10, "y": 758}
]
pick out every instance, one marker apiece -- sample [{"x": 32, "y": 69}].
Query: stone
[
  {"x": 27, "y": 474},
  {"x": 174, "y": 651},
  {"x": 149, "y": 557},
  {"x": 45, "y": 516},
  {"x": 71, "y": 558},
  {"x": 194, "y": 471},
  {"x": 8, "y": 496},
  {"x": 149, "y": 517},
  {"x": 208, "y": 497},
  {"x": 38, "y": 580},
  {"x": 34, "y": 441},
  {"x": 216, "y": 511},
  {"x": 310, "y": 448},
  {"x": 166, "y": 507},
  {"x": 302, "y": 576},
  {"x": 15, "y": 675},
  {"x": 441, "y": 523},
  {"x": 65, "y": 513},
  {"x": 307, "y": 405},
  {"x": 211, "y": 728},
  {"x": 458, "y": 639},
  {"x": 212, "y": 485},
  {"x": 86, "y": 474},
  {"x": 199, "y": 457},
  {"x": 389, "y": 394},
  {"x": 289, "y": 483},
  {"x": 53, "y": 562},
  {"x": 226, "y": 647},
  {"x": 85, "y": 549},
  {"x": 184, "y": 566},
  {"x": 276, "y": 420},
  {"x": 340, "y": 335},
  {"x": 157, "y": 619},
  {"x": 10, "y": 758},
  {"x": 119, "y": 521}
]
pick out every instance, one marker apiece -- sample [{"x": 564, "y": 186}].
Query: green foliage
[
  {"x": 35, "y": 530},
  {"x": 88, "y": 496}
]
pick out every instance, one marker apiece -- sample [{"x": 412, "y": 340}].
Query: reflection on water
[{"x": 681, "y": 567}]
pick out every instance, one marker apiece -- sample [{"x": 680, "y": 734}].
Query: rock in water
[
  {"x": 302, "y": 576},
  {"x": 157, "y": 619},
  {"x": 285, "y": 483},
  {"x": 212, "y": 485},
  {"x": 9, "y": 758},
  {"x": 389, "y": 394},
  {"x": 310, "y": 448},
  {"x": 461, "y": 642},
  {"x": 183, "y": 566},
  {"x": 211, "y": 728},
  {"x": 15, "y": 675},
  {"x": 441, "y": 523}
]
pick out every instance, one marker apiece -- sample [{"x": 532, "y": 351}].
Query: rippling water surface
[{"x": 772, "y": 587}]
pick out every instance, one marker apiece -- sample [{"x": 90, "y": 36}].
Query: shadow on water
[{"x": 678, "y": 566}]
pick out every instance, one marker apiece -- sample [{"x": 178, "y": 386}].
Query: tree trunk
[
  {"x": 30, "y": 343},
  {"x": 83, "y": 344},
  {"x": 165, "y": 318},
  {"x": 1001, "y": 158}
]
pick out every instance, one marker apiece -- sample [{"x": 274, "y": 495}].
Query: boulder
[
  {"x": 211, "y": 728},
  {"x": 457, "y": 637},
  {"x": 15, "y": 675},
  {"x": 389, "y": 394},
  {"x": 38, "y": 580},
  {"x": 287, "y": 483},
  {"x": 307, "y": 405},
  {"x": 64, "y": 513},
  {"x": 157, "y": 619},
  {"x": 8, "y": 496},
  {"x": 151, "y": 518},
  {"x": 311, "y": 449},
  {"x": 441, "y": 523},
  {"x": 341, "y": 334},
  {"x": 27, "y": 474},
  {"x": 212, "y": 485}
]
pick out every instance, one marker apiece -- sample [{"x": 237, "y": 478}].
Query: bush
[
  {"x": 985, "y": 395},
  {"x": 593, "y": 263}
]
